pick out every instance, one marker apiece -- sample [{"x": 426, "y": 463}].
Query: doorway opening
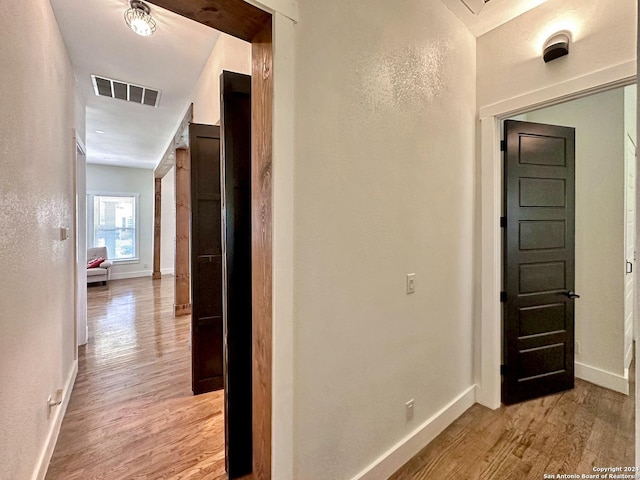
[
  {"x": 247, "y": 22},
  {"x": 490, "y": 337},
  {"x": 549, "y": 253}
]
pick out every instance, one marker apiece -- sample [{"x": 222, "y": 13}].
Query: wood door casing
[
  {"x": 539, "y": 260},
  {"x": 206, "y": 259}
]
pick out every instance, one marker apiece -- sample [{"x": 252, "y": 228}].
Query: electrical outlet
[
  {"x": 578, "y": 347},
  {"x": 409, "y": 409},
  {"x": 53, "y": 401},
  {"x": 411, "y": 283}
]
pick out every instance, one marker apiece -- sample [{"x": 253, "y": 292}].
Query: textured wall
[
  {"x": 510, "y": 57},
  {"x": 384, "y": 186},
  {"x": 230, "y": 54},
  {"x": 108, "y": 179},
  {"x": 36, "y": 198},
  {"x": 599, "y": 314}
]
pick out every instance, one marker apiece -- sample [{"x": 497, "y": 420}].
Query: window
[{"x": 112, "y": 223}]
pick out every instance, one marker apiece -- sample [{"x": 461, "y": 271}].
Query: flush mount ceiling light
[
  {"x": 556, "y": 46},
  {"x": 138, "y": 18}
]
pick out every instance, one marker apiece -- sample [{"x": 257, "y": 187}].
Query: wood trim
[
  {"x": 179, "y": 310},
  {"x": 157, "y": 227},
  {"x": 180, "y": 140},
  {"x": 261, "y": 255},
  {"x": 234, "y": 17},
  {"x": 182, "y": 304}
]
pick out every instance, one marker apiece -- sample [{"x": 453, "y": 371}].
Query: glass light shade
[{"x": 139, "y": 20}]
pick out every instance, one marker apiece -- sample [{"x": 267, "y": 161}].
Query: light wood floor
[
  {"x": 132, "y": 414},
  {"x": 570, "y": 433}
]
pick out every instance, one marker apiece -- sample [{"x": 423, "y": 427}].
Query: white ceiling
[
  {"x": 171, "y": 60},
  {"x": 493, "y": 14}
]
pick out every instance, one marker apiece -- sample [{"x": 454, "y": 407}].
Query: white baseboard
[
  {"x": 408, "y": 447},
  {"x": 123, "y": 275},
  {"x": 605, "y": 379},
  {"x": 57, "y": 414},
  {"x": 166, "y": 271}
]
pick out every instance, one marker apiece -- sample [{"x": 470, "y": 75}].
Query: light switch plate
[{"x": 411, "y": 283}]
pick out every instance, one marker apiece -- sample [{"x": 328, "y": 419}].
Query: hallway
[{"x": 132, "y": 413}]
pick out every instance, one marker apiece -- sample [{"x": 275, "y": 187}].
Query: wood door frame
[
  {"x": 491, "y": 184},
  {"x": 272, "y": 214}
]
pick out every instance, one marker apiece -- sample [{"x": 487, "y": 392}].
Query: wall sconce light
[
  {"x": 556, "y": 46},
  {"x": 138, "y": 19}
]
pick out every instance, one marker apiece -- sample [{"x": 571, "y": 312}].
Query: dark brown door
[
  {"x": 538, "y": 261},
  {"x": 206, "y": 260},
  {"x": 235, "y": 125}
]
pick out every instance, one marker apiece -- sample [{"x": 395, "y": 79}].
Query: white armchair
[{"x": 101, "y": 273}]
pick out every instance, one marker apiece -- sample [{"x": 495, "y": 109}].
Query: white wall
[
  {"x": 36, "y": 199},
  {"x": 510, "y": 57},
  {"x": 168, "y": 223},
  {"x": 108, "y": 179},
  {"x": 384, "y": 186},
  {"x": 229, "y": 53},
  {"x": 599, "y": 313}
]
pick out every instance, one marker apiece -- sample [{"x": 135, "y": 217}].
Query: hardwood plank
[
  {"x": 132, "y": 414},
  {"x": 157, "y": 227},
  {"x": 234, "y": 17},
  {"x": 182, "y": 303},
  {"x": 261, "y": 254},
  {"x": 570, "y": 432}
]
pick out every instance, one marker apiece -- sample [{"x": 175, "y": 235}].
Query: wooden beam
[
  {"x": 157, "y": 228},
  {"x": 182, "y": 303},
  {"x": 234, "y": 17},
  {"x": 180, "y": 140},
  {"x": 261, "y": 254}
]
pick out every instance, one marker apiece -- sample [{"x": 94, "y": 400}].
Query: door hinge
[
  {"x": 504, "y": 369},
  {"x": 503, "y": 297},
  {"x": 503, "y": 222},
  {"x": 503, "y": 145}
]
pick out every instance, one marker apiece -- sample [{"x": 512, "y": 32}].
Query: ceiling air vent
[
  {"x": 475, "y": 6},
  {"x": 107, "y": 87}
]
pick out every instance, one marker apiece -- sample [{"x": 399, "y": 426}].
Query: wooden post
[
  {"x": 157, "y": 229},
  {"x": 261, "y": 249},
  {"x": 182, "y": 302}
]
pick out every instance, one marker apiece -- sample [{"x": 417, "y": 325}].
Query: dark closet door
[
  {"x": 235, "y": 124},
  {"x": 539, "y": 260},
  {"x": 206, "y": 259}
]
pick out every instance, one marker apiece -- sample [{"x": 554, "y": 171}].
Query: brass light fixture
[{"x": 138, "y": 18}]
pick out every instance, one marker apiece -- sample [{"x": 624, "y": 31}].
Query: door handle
[
  {"x": 629, "y": 267},
  {"x": 571, "y": 294}
]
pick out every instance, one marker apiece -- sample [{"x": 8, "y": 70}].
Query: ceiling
[
  {"x": 492, "y": 13},
  {"x": 171, "y": 60},
  {"x": 99, "y": 42}
]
